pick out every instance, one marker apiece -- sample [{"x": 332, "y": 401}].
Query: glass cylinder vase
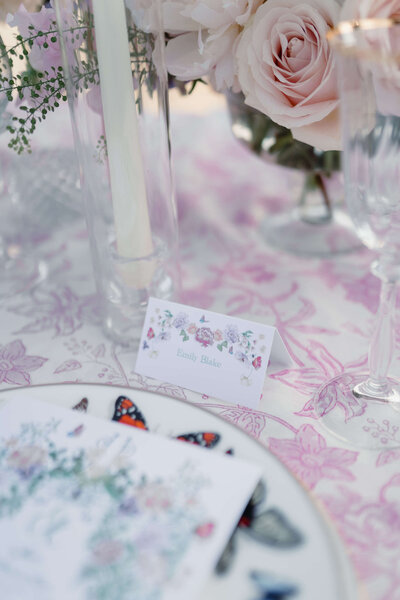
[
  {"x": 317, "y": 223},
  {"x": 117, "y": 89}
]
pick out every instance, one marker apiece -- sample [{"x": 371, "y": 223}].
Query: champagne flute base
[{"x": 365, "y": 422}]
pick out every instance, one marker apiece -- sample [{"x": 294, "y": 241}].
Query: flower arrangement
[{"x": 274, "y": 52}]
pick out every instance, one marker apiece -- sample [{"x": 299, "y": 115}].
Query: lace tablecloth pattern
[{"x": 324, "y": 310}]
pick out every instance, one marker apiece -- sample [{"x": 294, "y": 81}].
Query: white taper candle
[{"x": 128, "y": 188}]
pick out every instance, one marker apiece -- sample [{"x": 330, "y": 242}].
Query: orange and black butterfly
[
  {"x": 205, "y": 439},
  {"x": 127, "y": 412}
]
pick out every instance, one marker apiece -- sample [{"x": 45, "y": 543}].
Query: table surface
[{"x": 324, "y": 310}]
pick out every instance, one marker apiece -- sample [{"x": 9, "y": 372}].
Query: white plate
[{"x": 313, "y": 564}]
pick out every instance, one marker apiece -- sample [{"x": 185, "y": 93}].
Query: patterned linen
[{"x": 324, "y": 310}]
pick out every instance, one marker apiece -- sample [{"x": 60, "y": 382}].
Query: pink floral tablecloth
[{"x": 324, "y": 310}]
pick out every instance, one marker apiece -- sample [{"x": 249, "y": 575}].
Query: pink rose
[
  {"x": 193, "y": 55},
  {"x": 210, "y": 29},
  {"x": 191, "y": 15},
  {"x": 182, "y": 16},
  {"x": 286, "y": 68}
]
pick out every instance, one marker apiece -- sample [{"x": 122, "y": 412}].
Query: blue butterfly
[
  {"x": 272, "y": 587},
  {"x": 77, "y": 431},
  {"x": 145, "y": 345},
  {"x": 203, "y": 320}
]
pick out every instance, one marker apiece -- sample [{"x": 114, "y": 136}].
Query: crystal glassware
[
  {"x": 363, "y": 408},
  {"x": 316, "y": 223},
  {"x": 20, "y": 269},
  {"x": 117, "y": 88}
]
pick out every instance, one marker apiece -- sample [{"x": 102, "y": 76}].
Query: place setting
[{"x": 199, "y": 257}]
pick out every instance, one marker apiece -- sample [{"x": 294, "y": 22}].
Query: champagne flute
[{"x": 363, "y": 408}]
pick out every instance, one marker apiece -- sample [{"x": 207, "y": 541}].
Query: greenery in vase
[
  {"x": 263, "y": 135},
  {"x": 32, "y": 77}
]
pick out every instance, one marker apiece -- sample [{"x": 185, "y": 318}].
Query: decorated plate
[{"x": 282, "y": 547}]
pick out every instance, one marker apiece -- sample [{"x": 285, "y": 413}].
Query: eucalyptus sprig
[{"x": 35, "y": 93}]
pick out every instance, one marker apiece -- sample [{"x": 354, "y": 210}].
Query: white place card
[
  {"x": 214, "y": 354},
  {"x": 94, "y": 509}
]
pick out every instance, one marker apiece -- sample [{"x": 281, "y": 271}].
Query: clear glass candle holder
[{"x": 117, "y": 88}]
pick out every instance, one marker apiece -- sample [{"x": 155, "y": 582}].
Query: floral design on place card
[{"x": 243, "y": 346}]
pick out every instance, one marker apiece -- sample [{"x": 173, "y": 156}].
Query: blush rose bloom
[
  {"x": 182, "y": 16},
  {"x": 209, "y": 29},
  {"x": 286, "y": 68}
]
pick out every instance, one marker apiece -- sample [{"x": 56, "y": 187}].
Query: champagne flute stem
[{"x": 381, "y": 347}]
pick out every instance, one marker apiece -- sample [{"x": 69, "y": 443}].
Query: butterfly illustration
[
  {"x": 203, "y": 320},
  {"x": 205, "y": 439},
  {"x": 77, "y": 431},
  {"x": 231, "y": 350},
  {"x": 82, "y": 406},
  {"x": 269, "y": 527},
  {"x": 145, "y": 345},
  {"x": 127, "y": 412},
  {"x": 272, "y": 587}
]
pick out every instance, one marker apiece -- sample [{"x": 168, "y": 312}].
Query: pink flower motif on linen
[
  {"x": 323, "y": 368},
  {"x": 62, "y": 310},
  {"x": 364, "y": 290},
  {"x": 15, "y": 365},
  {"x": 252, "y": 421},
  {"x": 371, "y": 530},
  {"x": 309, "y": 457}
]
